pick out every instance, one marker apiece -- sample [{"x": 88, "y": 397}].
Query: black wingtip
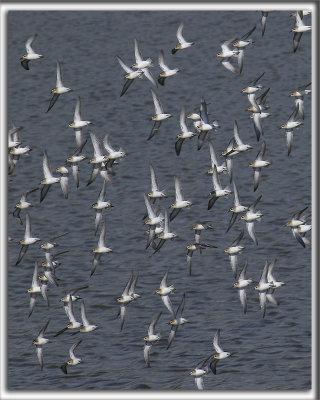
[{"x": 161, "y": 80}]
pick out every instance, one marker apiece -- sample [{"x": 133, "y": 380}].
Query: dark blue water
[{"x": 273, "y": 353}]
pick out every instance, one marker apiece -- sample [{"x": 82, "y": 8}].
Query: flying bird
[
  {"x": 27, "y": 240},
  {"x": 130, "y": 75},
  {"x": 31, "y": 54},
  {"x": 39, "y": 342},
  {"x": 183, "y": 44},
  {"x": 59, "y": 89},
  {"x": 166, "y": 71}
]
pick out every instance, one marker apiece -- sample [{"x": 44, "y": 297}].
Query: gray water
[{"x": 273, "y": 353}]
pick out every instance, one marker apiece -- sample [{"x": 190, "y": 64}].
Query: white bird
[
  {"x": 152, "y": 220},
  {"x": 227, "y": 53},
  {"x": 59, "y": 89},
  {"x": 191, "y": 248},
  {"x": 155, "y": 193},
  {"x": 260, "y": 113},
  {"x": 13, "y": 136},
  {"x": 196, "y": 245},
  {"x": 100, "y": 205},
  {"x": 130, "y": 75},
  {"x": 15, "y": 150},
  {"x": 151, "y": 338},
  {"x": 164, "y": 291},
  {"x": 39, "y": 342},
  {"x": 166, "y": 71},
  {"x": 241, "y": 44},
  {"x": 298, "y": 30},
  {"x": 23, "y": 204},
  {"x": 237, "y": 207},
  {"x": 183, "y": 44},
  {"x": 250, "y": 216},
  {"x": 49, "y": 179},
  {"x": 257, "y": 164},
  {"x": 73, "y": 324},
  {"x": 165, "y": 234},
  {"x": 71, "y": 293},
  {"x": 179, "y": 201},
  {"x": 239, "y": 146},
  {"x": 31, "y": 55},
  {"x": 218, "y": 191},
  {"x": 251, "y": 90},
  {"x": 27, "y": 240},
  {"x": 140, "y": 63},
  {"x": 199, "y": 371},
  {"x": 233, "y": 250},
  {"x": 241, "y": 285},
  {"x": 228, "y": 153},
  {"x": 214, "y": 161},
  {"x": 35, "y": 289},
  {"x": 74, "y": 160},
  {"x": 73, "y": 359},
  {"x": 291, "y": 124},
  {"x": 159, "y": 114},
  {"x": 64, "y": 180},
  {"x": 296, "y": 221},
  {"x": 262, "y": 288},
  {"x": 220, "y": 354},
  {"x": 299, "y": 95},
  {"x": 86, "y": 326},
  {"x": 112, "y": 154},
  {"x": 78, "y": 123},
  {"x": 98, "y": 161},
  {"x": 203, "y": 125},
  {"x": 128, "y": 295},
  {"x": 100, "y": 249},
  {"x": 275, "y": 284},
  {"x": 185, "y": 133},
  {"x": 177, "y": 320}
]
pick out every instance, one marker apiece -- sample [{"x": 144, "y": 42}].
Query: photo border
[{"x": 5, "y": 6}]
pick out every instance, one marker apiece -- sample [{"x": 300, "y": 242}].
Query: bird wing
[
  {"x": 72, "y": 348},
  {"x": 157, "y": 104},
  {"x": 162, "y": 63},
  {"x": 243, "y": 299},
  {"x": 150, "y": 210},
  {"x": 251, "y": 231},
  {"x": 29, "y": 43},
  {"x": 28, "y": 226},
  {"x": 167, "y": 302},
  {"x": 53, "y": 100},
  {"x": 154, "y": 183},
  {"x": 153, "y": 323},
  {"x": 59, "y": 76},
  {"x": 96, "y": 145},
  {"x": 236, "y": 195},
  {"x": 178, "y": 189},
  {"x": 107, "y": 145},
  {"x": 216, "y": 342},
  {"x": 137, "y": 53},
  {"x": 77, "y": 110},
  {"x": 102, "y": 238},
  {"x": 40, "y": 356},
  {"x": 83, "y": 315},
  {"x": 46, "y": 166},
  {"x": 183, "y": 125},
  {"x": 127, "y": 69},
  {"x": 244, "y": 271},
  {"x": 179, "y": 33}
]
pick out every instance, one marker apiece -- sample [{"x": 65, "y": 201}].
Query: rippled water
[{"x": 273, "y": 353}]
